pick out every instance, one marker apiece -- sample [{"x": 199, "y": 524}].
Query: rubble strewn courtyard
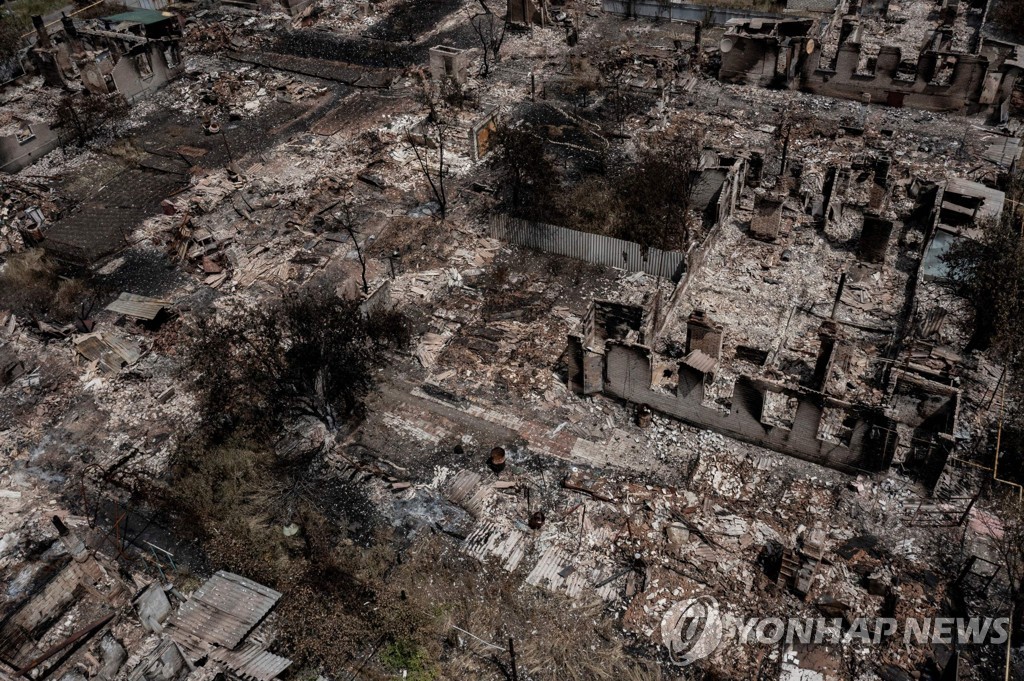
[{"x": 458, "y": 339}]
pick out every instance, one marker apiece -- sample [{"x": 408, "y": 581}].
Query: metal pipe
[{"x": 70, "y": 640}]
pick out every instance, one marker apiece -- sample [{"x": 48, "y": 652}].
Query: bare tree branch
[
  {"x": 491, "y": 32},
  {"x": 438, "y": 125},
  {"x": 349, "y": 224}
]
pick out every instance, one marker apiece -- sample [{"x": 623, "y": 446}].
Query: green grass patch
[{"x": 412, "y": 658}]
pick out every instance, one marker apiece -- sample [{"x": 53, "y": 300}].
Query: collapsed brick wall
[
  {"x": 938, "y": 81},
  {"x": 923, "y": 89},
  {"x": 767, "y": 220},
  {"x": 870, "y": 444},
  {"x": 874, "y": 239},
  {"x": 729, "y": 195},
  {"x": 728, "y": 199},
  {"x": 760, "y": 61}
]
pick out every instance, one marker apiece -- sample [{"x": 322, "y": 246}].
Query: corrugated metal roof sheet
[
  {"x": 811, "y": 5},
  {"x": 992, "y": 199},
  {"x": 466, "y": 491},
  {"x": 110, "y": 351},
  {"x": 932, "y": 322},
  {"x": 251, "y": 662},
  {"x": 1004, "y": 150},
  {"x": 140, "y": 16},
  {"x": 134, "y": 305},
  {"x": 701, "y": 362},
  {"x": 221, "y": 612},
  {"x": 556, "y": 571},
  {"x": 168, "y": 657},
  {"x": 508, "y": 545}
]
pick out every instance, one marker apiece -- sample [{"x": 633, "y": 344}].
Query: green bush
[{"x": 414, "y": 659}]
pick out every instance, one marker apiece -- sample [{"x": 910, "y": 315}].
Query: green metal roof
[{"x": 140, "y": 16}]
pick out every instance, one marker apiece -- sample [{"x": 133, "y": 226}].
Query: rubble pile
[{"x": 781, "y": 416}]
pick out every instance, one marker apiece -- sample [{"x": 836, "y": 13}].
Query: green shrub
[{"x": 414, "y": 659}]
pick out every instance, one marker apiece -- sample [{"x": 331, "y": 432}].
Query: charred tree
[{"x": 490, "y": 30}]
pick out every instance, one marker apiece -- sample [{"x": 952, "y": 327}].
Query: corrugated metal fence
[
  {"x": 147, "y": 4},
  {"x": 600, "y": 250},
  {"x": 678, "y": 11}
]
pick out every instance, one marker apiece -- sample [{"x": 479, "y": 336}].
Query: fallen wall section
[{"x": 21, "y": 151}]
